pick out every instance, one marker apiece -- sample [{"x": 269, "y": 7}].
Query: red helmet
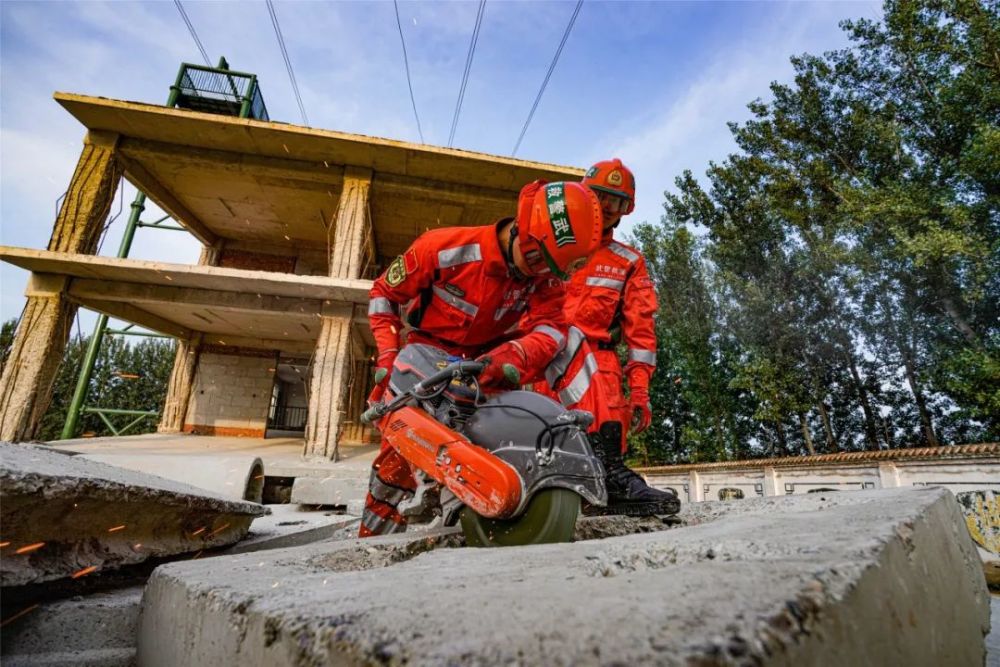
[
  {"x": 559, "y": 226},
  {"x": 614, "y": 178}
]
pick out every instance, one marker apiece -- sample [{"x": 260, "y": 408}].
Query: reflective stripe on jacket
[{"x": 454, "y": 287}]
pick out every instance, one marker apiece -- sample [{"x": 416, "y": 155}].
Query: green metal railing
[
  {"x": 214, "y": 90},
  {"x": 218, "y": 90}
]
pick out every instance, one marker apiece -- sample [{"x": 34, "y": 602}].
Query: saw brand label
[{"x": 555, "y": 199}]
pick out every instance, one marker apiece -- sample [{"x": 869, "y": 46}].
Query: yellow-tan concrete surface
[
  {"x": 234, "y": 307},
  {"x": 230, "y": 178}
]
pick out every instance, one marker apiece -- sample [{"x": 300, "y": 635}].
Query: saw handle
[{"x": 457, "y": 369}]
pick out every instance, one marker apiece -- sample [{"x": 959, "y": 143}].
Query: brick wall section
[{"x": 231, "y": 395}]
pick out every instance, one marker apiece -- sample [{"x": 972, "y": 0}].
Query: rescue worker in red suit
[
  {"x": 465, "y": 290},
  {"x": 610, "y": 301}
]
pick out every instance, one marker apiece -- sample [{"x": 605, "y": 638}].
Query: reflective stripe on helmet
[
  {"x": 462, "y": 305},
  {"x": 552, "y": 333},
  {"x": 610, "y": 283},
  {"x": 555, "y": 200},
  {"x": 578, "y": 386},
  {"x": 381, "y": 306},
  {"x": 462, "y": 254},
  {"x": 642, "y": 356},
  {"x": 623, "y": 252}
]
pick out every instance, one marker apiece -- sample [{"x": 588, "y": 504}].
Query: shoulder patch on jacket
[
  {"x": 396, "y": 273},
  {"x": 644, "y": 281}
]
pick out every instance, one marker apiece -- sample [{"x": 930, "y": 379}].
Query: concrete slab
[
  {"x": 233, "y": 307},
  {"x": 292, "y": 526},
  {"x": 884, "y": 577},
  {"x": 66, "y": 516},
  {"x": 234, "y": 477},
  {"x": 99, "y": 629},
  {"x": 345, "y": 484},
  {"x": 278, "y": 184}
]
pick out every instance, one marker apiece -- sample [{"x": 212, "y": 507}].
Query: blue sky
[{"x": 650, "y": 82}]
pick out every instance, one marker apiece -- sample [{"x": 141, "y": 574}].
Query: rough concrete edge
[
  {"x": 828, "y": 609},
  {"x": 43, "y": 566},
  {"x": 111, "y": 491}
]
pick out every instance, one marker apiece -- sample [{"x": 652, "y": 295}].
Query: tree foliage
[
  {"x": 127, "y": 375},
  {"x": 835, "y": 283}
]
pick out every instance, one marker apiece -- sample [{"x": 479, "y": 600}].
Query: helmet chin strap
[{"x": 509, "y": 254}]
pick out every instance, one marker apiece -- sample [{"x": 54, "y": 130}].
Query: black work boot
[{"x": 628, "y": 493}]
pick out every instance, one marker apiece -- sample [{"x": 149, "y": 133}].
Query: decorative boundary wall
[{"x": 957, "y": 468}]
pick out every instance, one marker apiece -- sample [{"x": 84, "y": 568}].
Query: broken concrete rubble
[
  {"x": 862, "y": 578},
  {"x": 65, "y": 516}
]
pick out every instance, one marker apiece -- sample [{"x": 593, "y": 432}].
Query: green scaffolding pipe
[{"x": 90, "y": 358}]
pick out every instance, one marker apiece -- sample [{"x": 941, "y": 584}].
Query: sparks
[
  {"x": 115, "y": 529},
  {"x": 218, "y": 530},
  {"x": 84, "y": 572},
  {"x": 198, "y": 532},
  {"x": 31, "y": 547},
  {"x": 4, "y": 544},
  {"x": 18, "y": 615}
]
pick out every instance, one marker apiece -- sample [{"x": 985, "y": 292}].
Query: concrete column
[
  {"x": 328, "y": 388},
  {"x": 186, "y": 357},
  {"x": 695, "y": 493},
  {"x": 181, "y": 382},
  {"x": 36, "y": 353},
  {"x": 333, "y": 362},
  {"x": 771, "y": 482},
  {"x": 888, "y": 475},
  {"x": 351, "y": 227}
]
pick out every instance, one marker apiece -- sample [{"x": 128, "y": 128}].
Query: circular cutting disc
[{"x": 550, "y": 517}]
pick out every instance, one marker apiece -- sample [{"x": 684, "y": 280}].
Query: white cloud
[{"x": 689, "y": 131}]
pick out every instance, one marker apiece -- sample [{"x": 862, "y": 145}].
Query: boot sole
[{"x": 659, "y": 508}]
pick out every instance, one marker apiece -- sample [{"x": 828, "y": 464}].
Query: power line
[
  {"x": 406, "y": 64},
  {"x": 187, "y": 21},
  {"x": 288, "y": 62},
  {"x": 548, "y": 74},
  {"x": 468, "y": 67}
]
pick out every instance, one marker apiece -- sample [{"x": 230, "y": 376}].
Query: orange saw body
[{"x": 480, "y": 480}]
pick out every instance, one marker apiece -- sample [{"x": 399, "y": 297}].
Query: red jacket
[
  {"x": 456, "y": 291},
  {"x": 612, "y": 299}
]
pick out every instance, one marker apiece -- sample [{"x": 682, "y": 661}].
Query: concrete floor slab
[
  {"x": 65, "y": 516},
  {"x": 291, "y": 526},
  {"x": 884, "y": 577}
]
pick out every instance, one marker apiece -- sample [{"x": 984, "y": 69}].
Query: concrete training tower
[{"x": 295, "y": 222}]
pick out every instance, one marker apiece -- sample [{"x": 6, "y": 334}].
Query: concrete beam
[
  {"x": 884, "y": 577},
  {"x": 64, "y": 515},
  {"x": 145, "y": 181}
]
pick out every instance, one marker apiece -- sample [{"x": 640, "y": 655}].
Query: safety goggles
[{"x": 612, "y": 203}]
